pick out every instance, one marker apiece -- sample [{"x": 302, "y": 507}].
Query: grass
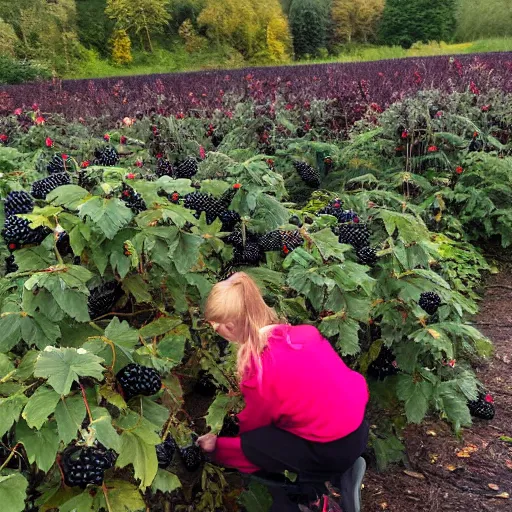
[{"x": 165, "y": 61}]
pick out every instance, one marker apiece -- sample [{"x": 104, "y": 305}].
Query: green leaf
[
  {"x": 416, "y": 396},
  {"x": 10, "y": 327},
  {"x": 154, "y": 413},
  {"x": 347, "y": 331},
  {"x": 136, "y": 451},
  {"x": 454, "y": 405},
  {"x": 69, "y": 415},
  {"x": 110, "y": 215},
  {"x": 172, "y": 346},
  {"x": 124, "y": 337},
  {"x": 256, "y": 498},
  {"x": 39, "y": 331},
  {"x": 69, "y": 196},
  {"x": 41, "y": 445},
  {"x": 136, "y": 286},
  {"x": 84, "y": 502},
  {"x": 124, "y": 497},
  {"x": 221, "y": 406},
  {"x": 63, "y": 366},
  {"x": 106, "y": 434},
  {"x": 10, "y": 410},
  {"x": 26, "y": 367},
  {"x": 6, "y": 368},
  {"x": 185, "y": 251},
  {"x": 40, "y": 405},
  {"x": 328, "y": 245},
  {"x": 13, "y": 490},
  {"x": 387, "y": 451},
  {"x": 165, "y": 481},
  {"x": 160, "y": 326},
  {"x": 34, "y": 258}
]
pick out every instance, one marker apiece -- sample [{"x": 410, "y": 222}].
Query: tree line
[{"x": 59, "y": 31}]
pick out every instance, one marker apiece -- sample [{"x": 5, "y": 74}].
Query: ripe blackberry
[
  {"x": 135, "y": 379},
  {"x": 165, "y": 452},
  {"x": 103, "y": 298},
  {"x": 334, "y": 208},
  {"x": 251, "y": 254},
  {"x": 10, "y": 265},
  {"x": 164, "y": 168},
  {"x": 482, "y": 407},
  {"x": 236, "y": 238},
  {"x": 384, "y": 366},
  {"x": 133, "y": 200},
  {"x": 228, "y": 195},
  {"x": 192, "y": 457},
  {"x": 64, "y": 244},
  {"x": 18, "y": 202},
  {"x": 17, "y": 231},
  {"x": 205, "y": 385},
  {"x": 367, "y": 256},
  {"x": 291, "y": 240},
  {"x": 204, "y": 203},
  {"x": 355, "y": 234},
  {"x": 272, "y": 241},
  {"x": 230, "y": 426},
  {"x": 187, "y": 168},
  {"x": 307, "y": 174},
  {"x": 41, "y": 188},
  {"x": 56, "y": 165},
  {"x": 229, "y": 220},
  {"x": 295, "y": 220},
  {"x": 429, "y": 302},
  {"x": 107, "y": 156},
  {"x": 83, "y": 465}
]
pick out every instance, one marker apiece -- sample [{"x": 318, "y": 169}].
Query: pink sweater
[{"x": 304, "y": 388}]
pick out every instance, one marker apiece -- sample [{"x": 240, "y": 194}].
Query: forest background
[{"x": 98, "y": 38}]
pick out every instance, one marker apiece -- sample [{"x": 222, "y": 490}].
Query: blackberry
[
  {"x": 165, "y": 452},
  {"x": 17, "y": 231},
  {"x": 229, "y": 220},
  {"x": 107, "y": 156},
  {"x": 205, "y": 385},
  {"x": 334, "y": 208},
  {"x": 291, "y": 240},
  {"x": 204, "y": 203},
  {"x": 429, "y": 302},
  {"x": 308, "y": 174},
  {"x": 103, "y": 298},
  {"x": 482, "y": 407},
  {"x": 230, "y": 426},
  {"x": 367, "y": 256},
  {"x": 384, "y": 366},
  {"x": 56, "y": 164},
  {"x": 10, "y": 265},
  {"x": 355, "y": 234},
  {"x": 236, "y": 238},
  {"x": 41, "y": 188},
  {"x": 135, "y": 379},
  {"x": 187, "y": 168},
  {"x": 64, "y": 244},
  {"x": 192, "y": 457},
  {"x": 164, "y": 168},
  {"x": 217, "y": 139},
  {"x": 133, "y": 200},
  {"x": 475, "y": 145},
  {"x": 272, "y": 241},
  {"x": 295, "y": 220},
  {"x": 227, "y": 197},
  {"x": 85, "y": 465},
  {"x": 18, "y": 202},
  {"x": 251, "y": 254}
]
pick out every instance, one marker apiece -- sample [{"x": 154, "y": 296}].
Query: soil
[{"x": 439, "y": 479}]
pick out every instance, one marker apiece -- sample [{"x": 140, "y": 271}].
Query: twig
[
  {"x": 11, "y": 455},
  {"x": 105, "y": 493},
  {"x": 86, "y": 403},
  {"x": 123, "y": 314}
]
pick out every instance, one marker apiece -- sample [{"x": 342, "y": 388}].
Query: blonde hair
[{"x": 238, "y": 300}]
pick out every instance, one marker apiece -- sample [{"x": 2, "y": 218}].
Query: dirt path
[{"x": 451, "y": 483}]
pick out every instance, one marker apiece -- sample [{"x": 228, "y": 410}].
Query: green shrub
[{"x": 13, "y": 71}]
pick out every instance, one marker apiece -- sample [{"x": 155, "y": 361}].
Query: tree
[
  {"x": 9, "y": 39},
  {"x": 279, "y": 41},
  {"x": 355, "y": 19},
  {"x": 121, "y": 47},
  {"x": 308, "y": 23},
  {"x": 406, "y": 21},
  {"x": 143, "y": 17}
]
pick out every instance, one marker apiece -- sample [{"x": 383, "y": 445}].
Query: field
[{"x": 370, "y": 200}]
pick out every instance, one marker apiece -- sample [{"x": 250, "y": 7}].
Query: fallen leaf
[
  {"x": 413, "y": 474},
  {"x": 508, "y": 463},
  {"x": 431, "y": 433},
  {"x": 494, "y": 487},
  {"x": 433, "y": 458},
  {"x": 384, "y": 506},
  {"x": 466, "y": 452},
  {"x": 503, "y": 495},
  {"x": 451, "y": 467}
]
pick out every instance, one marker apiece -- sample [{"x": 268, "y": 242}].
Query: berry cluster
[
  {"x": 107, "y": 156},
  {"x": 192, "y": 457},
  {"x": 17, "y": 232},
  {"x": 482, "y": 407},
  {"x": 10, "y": 265},
  {"x": 164, "y": 168},
  {"x": 56, "y": 165},
  {"x": 335, "y": 209},
  {"x": 103, "y": 298},
  {"x": 83, "y": 465},
  {"x": 187, "y": 168},
  {"x": 135, "y": 379},
  {"x": 230, "y": 426},
  {"x": 384, "y": 366},
  {"x": 165, "y": 452},
  {"x": 213, "y": 207},
  {"x": 429, "y": 302},
  {"x": 133, "y": 200},
  {"x": 307, "y": 174},
  {"x": 41, "y": 188},
  {"x": 18, "y": 202},
  {"x": 280, "y": 240}
]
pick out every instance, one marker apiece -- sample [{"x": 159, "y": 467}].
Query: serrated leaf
[
  {"x": 256, "y": 498},
  {"x": 416, "y": 396},
  {"x": 112, "y": 397},
  {"x": 124, "y": 337},
  {"x": 39, "y": 331},
  {"x": 13, "y": 490},
  {"x": 68, "y": 196},
  {"x": 172, "y": 346},
  {"x": 39, "y": 406},
  {"x": 165, "y": 482},
  {"x": 69, "y": 414},
  {"x": 154, "y": 413},
  {"x": 41, "y": 445},
  {"x": 84, "y": 502},
  {"x": 10, "y": 327},
  {"x": 106, "y": 434},
  {"x": 109, "y": 215},
  {"x": 221, "y": 406},
  {"x": 185, "y": 251},
  {"x": 63, "y": 366},
  {"x": 10, "y": 410},
  {"x": 328, "y": 244},
  {"x": 387, "y": 451},
  {"x": 6, "y": 368},
  {"x": 347, "y": 331},
  {"x": 124, "y": 497},
  {"x": 160, "y": 326},
  {"x": 136, "y": 286},
  {"x": 34, "y": 258}
]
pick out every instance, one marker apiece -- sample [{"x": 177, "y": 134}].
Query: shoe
[
  {"x": 350, "y": 486},
  {"x": 324, "y": 504}
]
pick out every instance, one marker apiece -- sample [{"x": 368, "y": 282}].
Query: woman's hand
[{"x": 207, "y": 443}]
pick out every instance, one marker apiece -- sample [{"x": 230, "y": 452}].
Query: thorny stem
[
  {"x": 105, "y": 493},
  {"x": 11, "y": 455},
  {"x": 86, "y": 403},
  {"x": 123, "y": 314}
]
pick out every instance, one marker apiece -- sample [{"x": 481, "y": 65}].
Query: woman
[{"x": 304, "y": 407}]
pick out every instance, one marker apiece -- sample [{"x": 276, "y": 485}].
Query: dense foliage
[{"x": 364, "y": 222}]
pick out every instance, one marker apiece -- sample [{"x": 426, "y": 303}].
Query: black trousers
[{"x": 275, "y": 450}]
